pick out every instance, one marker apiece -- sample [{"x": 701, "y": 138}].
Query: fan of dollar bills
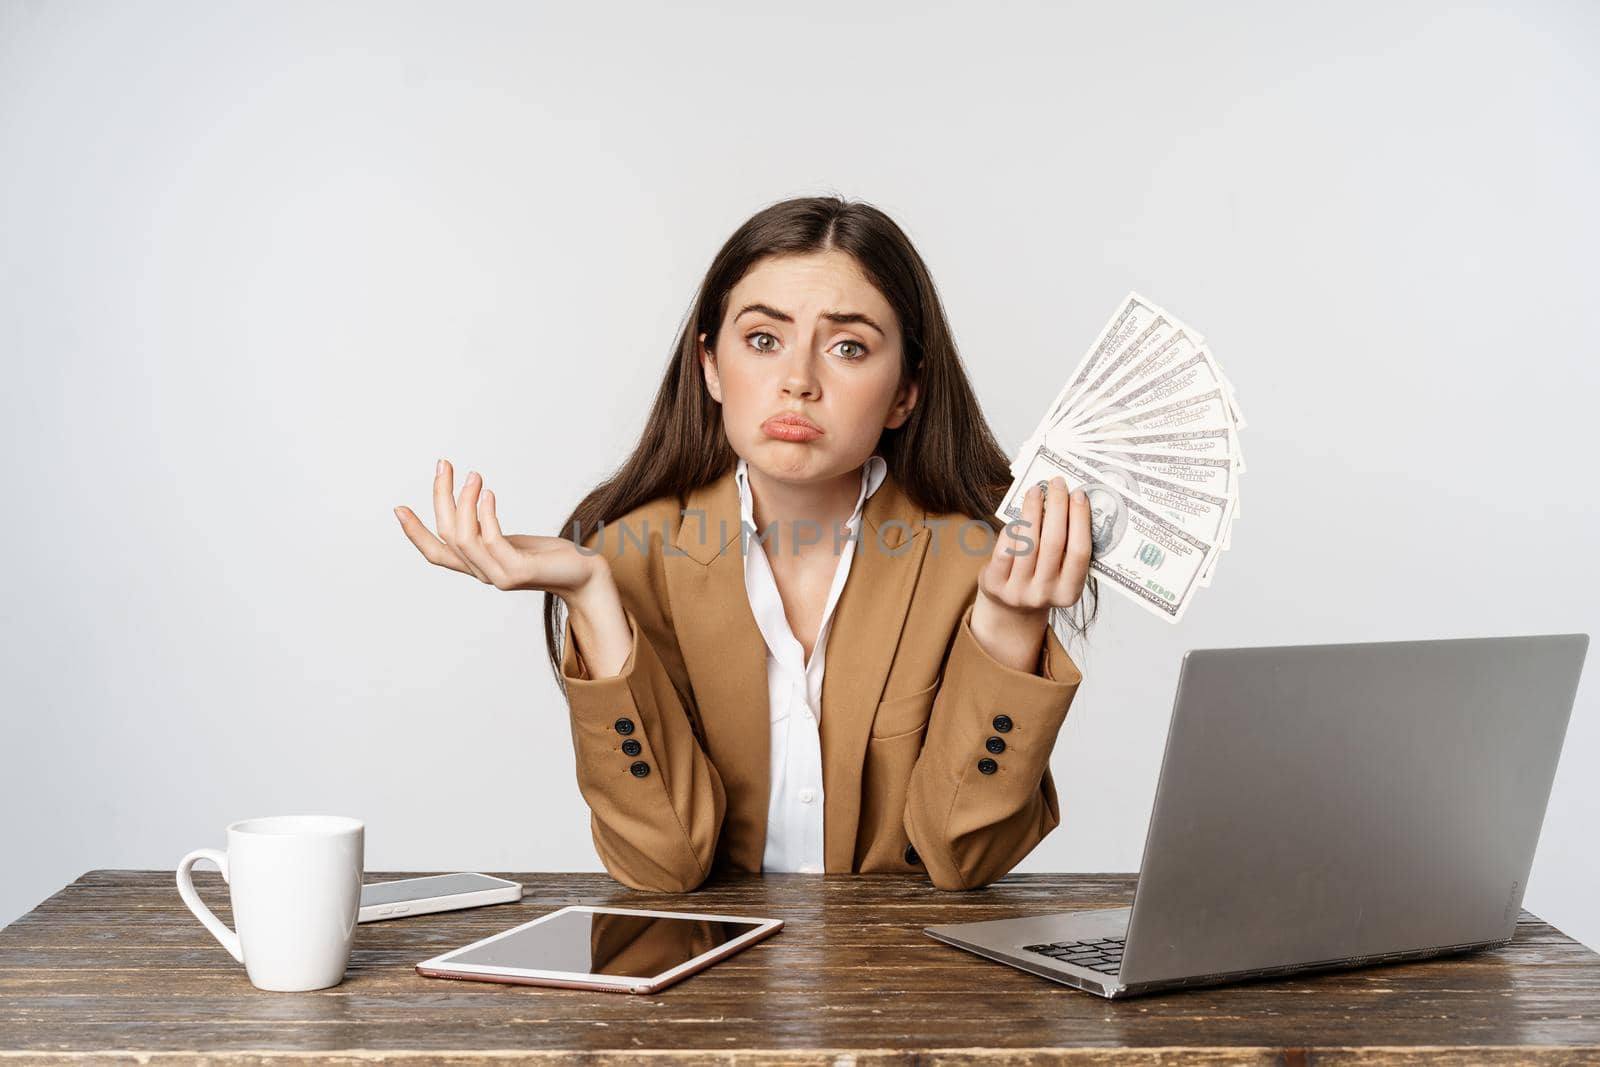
[{"x": 1148, "y": 426}]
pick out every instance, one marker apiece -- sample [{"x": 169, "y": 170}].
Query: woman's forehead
[{"x": 810, "y": 285}]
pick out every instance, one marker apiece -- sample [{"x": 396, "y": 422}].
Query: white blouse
[{"x": 794, "y": 687}]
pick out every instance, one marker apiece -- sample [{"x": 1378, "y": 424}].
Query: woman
[{"x": 792, "y": 640}]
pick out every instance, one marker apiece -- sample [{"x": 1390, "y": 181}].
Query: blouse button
[{"x": 807, "y": 796}]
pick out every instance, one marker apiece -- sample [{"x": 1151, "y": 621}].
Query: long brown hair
[{"x": 944, "y": 456}]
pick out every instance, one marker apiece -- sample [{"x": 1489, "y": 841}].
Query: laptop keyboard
[{"x": 1103, "y": 954}]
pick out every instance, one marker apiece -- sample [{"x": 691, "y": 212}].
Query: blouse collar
[{"x": 872, "y": 475}]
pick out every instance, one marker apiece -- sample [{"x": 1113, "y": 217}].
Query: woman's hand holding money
[
  {"x": 1027, "y": 576},
  {"x": 469, "y": 541}
]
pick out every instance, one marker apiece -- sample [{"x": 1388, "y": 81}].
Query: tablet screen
[{"x": 597, "y": 942}]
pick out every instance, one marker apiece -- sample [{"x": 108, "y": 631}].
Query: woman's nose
[{"x": 800, "y": 376}]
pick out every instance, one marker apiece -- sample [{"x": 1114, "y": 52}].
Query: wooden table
[{"x": 114, "y": 968}]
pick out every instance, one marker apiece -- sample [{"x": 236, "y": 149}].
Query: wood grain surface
[{"x": 113, "y": 968}]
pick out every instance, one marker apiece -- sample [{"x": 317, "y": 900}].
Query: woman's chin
[{"x": 790, "y": 461}]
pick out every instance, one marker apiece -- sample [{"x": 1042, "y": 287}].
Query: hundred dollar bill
[
  {"x": 1149, "y": 559},
  {"x": 1202, "y": 411},
  {"x": 1212, "y": 475},
  {"x": 1205, "y": 515},
  {"x": 1150, "y": 417},
  {"x": 1207, "y": 475},
  {"x": 1131, "y": 320},
  {"x": 1140, "y": 334},
  {"x": 1191, "y": 409},
  {"x": 1177, "y": 372},
  {"x": 1223, "y": 444},
  {"x": 1165, "y": 343}
]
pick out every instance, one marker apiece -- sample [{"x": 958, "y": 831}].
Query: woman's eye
[{"x": 858, "y": 350}]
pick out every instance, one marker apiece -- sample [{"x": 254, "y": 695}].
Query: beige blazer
[{"x": 911, "y": 705}]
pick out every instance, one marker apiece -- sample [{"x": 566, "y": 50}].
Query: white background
[{"x": 261, "y": 265}]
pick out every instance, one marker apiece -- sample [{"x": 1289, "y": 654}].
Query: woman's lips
[{"x": 791, "y": 428}]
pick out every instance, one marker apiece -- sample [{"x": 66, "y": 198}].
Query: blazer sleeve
[
  {"x": 969, "y": 827},
  {"x": 655, "y": 815}
]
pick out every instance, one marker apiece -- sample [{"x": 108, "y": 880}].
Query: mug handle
[{"x": 229, "y": 939}]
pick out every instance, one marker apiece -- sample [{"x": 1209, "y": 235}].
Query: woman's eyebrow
[{"x": 836, "y": 317}]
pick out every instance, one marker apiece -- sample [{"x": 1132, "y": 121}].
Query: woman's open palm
[{"x": 469, "y": 540}]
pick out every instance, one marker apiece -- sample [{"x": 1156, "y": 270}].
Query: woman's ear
[
  {"x": 904, "y": 401},
  {"x": 708, "y": 364}
]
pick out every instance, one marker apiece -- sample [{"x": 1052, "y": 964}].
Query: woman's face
[{"x": 809, "y": 335}]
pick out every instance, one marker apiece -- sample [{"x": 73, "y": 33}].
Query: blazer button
[
  {"x": 630, "y": 747},
  {"x": 995, "y": 745},
  {"x": 623, "y": 726},
  {"x": 911, "y": 855},
  {"x": 639, "y": 768},
  {"x": 987, "y": 765},
  {"x": 1002, "y": 723}
]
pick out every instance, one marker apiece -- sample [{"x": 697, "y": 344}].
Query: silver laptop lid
[{"x": 1324, "y": 802}]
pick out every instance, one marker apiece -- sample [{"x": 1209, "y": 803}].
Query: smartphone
[{"x": 439, "y": 892}]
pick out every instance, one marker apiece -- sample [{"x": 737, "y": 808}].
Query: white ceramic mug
[{"x": 295, "y": 885}]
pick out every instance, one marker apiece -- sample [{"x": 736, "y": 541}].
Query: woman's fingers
[
  {"x": 468, "y": 540},
  {"x": 997, "y": 574},
  {"x": 467, "y": 508},
  {"x": 1080, "y": 546},
  {"x": 489, "y": 526},
  {"x": 495, "y": 555},
  {"x": 447, "y": 518},
  {"x": 998, "y": 569},
  {"x": 1042, "y": 559},
  {"x": 444, "y": 506},
  {"x": 433, "y": 550},
  {"x": 1052, "y": 538},
  {"x": 477, "y": 546},
  {"x": 1023, "y": 566}
]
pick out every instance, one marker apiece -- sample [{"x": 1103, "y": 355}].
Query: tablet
[{"x": 617, "y": 950}]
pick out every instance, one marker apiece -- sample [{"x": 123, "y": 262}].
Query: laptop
[{"x": 1321, "y": 807}]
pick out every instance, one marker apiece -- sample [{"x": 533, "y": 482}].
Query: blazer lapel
[
  {"x": 865, "y": 632},
  {"x": 726, "y": 656}
]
